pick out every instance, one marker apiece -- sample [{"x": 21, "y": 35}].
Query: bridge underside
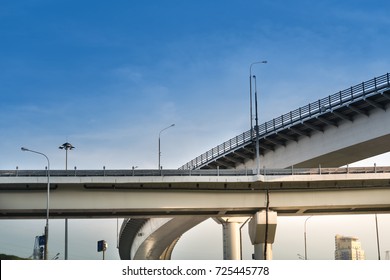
[
  {"x": 350, "y": 154},
  {"x": 336, "y": 146},
  {"x": 161, "y": 240}
]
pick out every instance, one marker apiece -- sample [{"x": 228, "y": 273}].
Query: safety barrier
[{"x": 199, "y": 172}]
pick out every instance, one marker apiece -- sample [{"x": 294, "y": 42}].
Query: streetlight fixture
[
  {"x": 66, "y": 146},
  {"x": 257, "y": 131},
  {"x": 250, "y": 91},
  {"x": 251, "y": 113},
  {"x": 304, "y": 236},
  {"x": 159, "y": 145},
  {"x": 47, "y": 198}
]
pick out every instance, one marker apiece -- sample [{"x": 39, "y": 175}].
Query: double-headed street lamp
[
  {"x": 47, "y": 199},
  {"x": 66, "y": 146},
  {"x": 159, "y": 145}
]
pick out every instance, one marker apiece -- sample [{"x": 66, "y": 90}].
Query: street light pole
[
  {"x": 66, "y": 146},
  {"x": 377, "y": 236},
  {"x": 47, "y": 199},
  {"x": 250, "y": 92},
  {"x": 304, "y": 236},
  {"x": 251, "y": 113},
  {"x": 159, "y": 145},
  {"x": 257, "y": 131}
]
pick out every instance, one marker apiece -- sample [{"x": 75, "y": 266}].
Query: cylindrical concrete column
[
  {"x": 231, "y": 227},
  {"x": 232, "y": 241}
]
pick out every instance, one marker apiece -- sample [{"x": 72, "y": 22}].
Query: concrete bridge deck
[{"x": 208, "y": 193}]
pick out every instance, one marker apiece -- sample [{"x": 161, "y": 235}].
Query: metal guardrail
[
  {"x": 330, "y": 103},
  {"x": 208, "y": 172},
  {"x": 124, "y": 172}
]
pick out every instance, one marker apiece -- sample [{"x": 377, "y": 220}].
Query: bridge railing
[
  {"x": 208, "y": 172},
  {"x": 301, "y": 114},
  {"x": 124, "y": 172}
]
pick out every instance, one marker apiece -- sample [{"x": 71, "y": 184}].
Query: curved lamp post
[
  {"x": 159, "y": 145},
  {"x": 47, "y": 199}
]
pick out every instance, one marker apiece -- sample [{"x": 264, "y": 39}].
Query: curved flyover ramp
[
  {"x": 339, "y": 129},
  {"x": 153, "y": 239},
  {"x": 129, "y": 230}
]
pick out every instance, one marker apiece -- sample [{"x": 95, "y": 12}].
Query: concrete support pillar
[
  {"x": 262, "y": 229},
  {"x": 231, "y": 236},
  {"x": 259, "y": 250},
  {"x": 231, "y": 240}
]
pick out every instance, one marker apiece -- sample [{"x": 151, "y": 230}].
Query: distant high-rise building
[{"x": 348, "y": 248}]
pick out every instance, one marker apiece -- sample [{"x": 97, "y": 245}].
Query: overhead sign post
[{"x": 102, "y": 247}]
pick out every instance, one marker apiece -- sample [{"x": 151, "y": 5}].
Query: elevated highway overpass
[
  {"x": 211, "y": 193},
  {"x": 160, "y": 205}
]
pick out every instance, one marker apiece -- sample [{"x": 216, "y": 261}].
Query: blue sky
[{"x": 107, "y": 76}]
